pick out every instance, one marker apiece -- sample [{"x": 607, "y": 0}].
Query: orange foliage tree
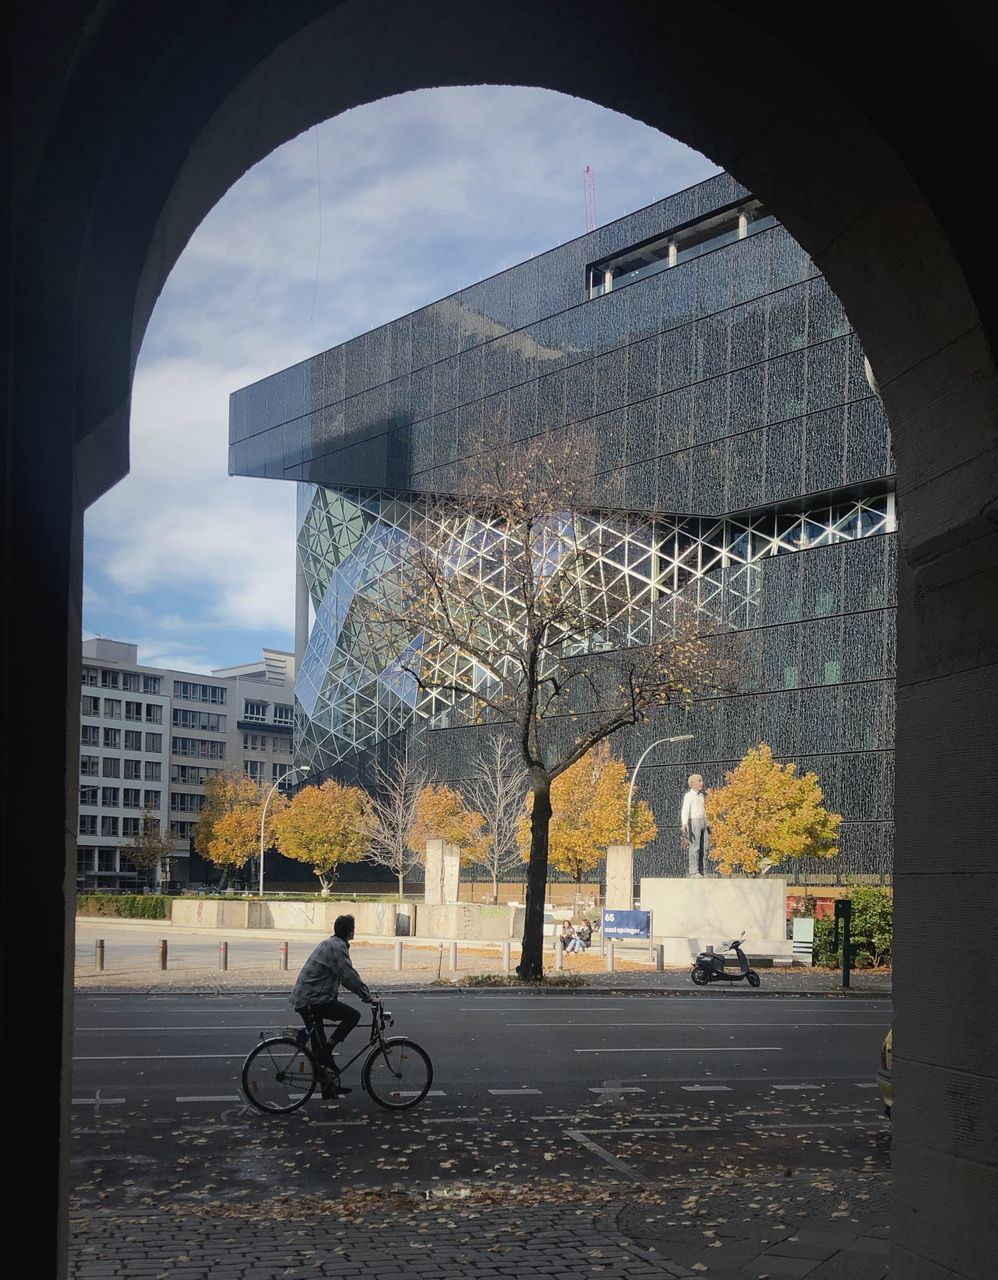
[
  {"x": 325, "y": 825},
  {"x": 441, "y": 814},
  {"x": 765, "y": 814}
]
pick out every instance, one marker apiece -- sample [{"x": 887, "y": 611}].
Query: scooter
[{"x": 709, "y": 966}]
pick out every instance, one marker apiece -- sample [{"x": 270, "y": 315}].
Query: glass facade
[{"x": 724, "y": 397}]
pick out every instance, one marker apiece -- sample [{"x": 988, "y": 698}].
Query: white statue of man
[{"x": 693, "y": 821}]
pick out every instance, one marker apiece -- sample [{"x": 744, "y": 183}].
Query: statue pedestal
[
  {"x": 692, "y": 913},
  {"x": 619, "y": 894}
]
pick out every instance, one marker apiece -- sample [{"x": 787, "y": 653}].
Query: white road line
[
  {"x": 254, "y": 1026},
  {"x": 665, "y": 1026},
  {"x": 95, "y": 1102},
  {"x": 866, "y": 1084},
  {"x": 747, "y": 1048},
  {"x": 414, "y": 1093},
  {"x": 512, "y": 1092},
  {"x": 208, "y": 1097},
  {"x": 149, "y": 1057},
  {"x": 620, "y": 1088},
  {"x": 706, "y": 1088},
  {"x": 578, "y": 1136},
  {"x": 797, "y": 1086},
  {"x": 834, "y": 1124}
]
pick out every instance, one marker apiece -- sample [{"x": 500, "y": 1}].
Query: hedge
[
  {"x": 136, "y": 906},
  {"x": 872, "y": 931}
]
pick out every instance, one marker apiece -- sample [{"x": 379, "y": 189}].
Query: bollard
[
  {"x": 162, "y": 954},
  {"x": 506, "y": 960},
  {"x": 609, "y": 957},
  {"x": 284, "y": 955},
  {"x": 559, "y": 955},
  {"x": 452, "y": 957},
  {"x": 223, "y": 955},
  {"x": 99, "y": 954},
  {"x": 398, "y": 953},
  {"x": 660, "y": 958}
]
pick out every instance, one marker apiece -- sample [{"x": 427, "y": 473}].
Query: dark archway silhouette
[{"x": 128, "y": 123}]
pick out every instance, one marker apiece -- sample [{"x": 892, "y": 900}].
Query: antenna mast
[{"x": 589, "y": 176}]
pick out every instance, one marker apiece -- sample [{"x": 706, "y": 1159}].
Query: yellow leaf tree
[
  {"x": 325, "y": 825},
  {"x": 441, "y": 814},
  {"x": 227, "y": 832},
  {"x": 765, "y": 814},
  {"x": 589, "y": 801}
]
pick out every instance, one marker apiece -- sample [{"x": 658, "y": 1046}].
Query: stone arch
[{"x": 130, "y": 128}]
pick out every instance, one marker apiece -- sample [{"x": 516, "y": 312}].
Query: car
[{"x": 884, "y": 1072}]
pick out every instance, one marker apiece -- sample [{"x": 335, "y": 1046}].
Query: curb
[{"x": 493, "y": 992}]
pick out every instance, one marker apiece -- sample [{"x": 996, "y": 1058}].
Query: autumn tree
[
  {"x": 765, "y": 813},
  {"x": 325, "y": 825},
  {"x": 394, "y": 816},
  {"x": 590, "y": 813},
  {"x": 507, "y": 607},
  {"x": 497, "y": 789},
  {"x": 227, "y": 832},
  {"x": 151, "y": 849},
  {"x": 441, "y": 814}
]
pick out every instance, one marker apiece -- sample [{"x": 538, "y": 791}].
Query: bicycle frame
[{"x": 380, "y": 1017}]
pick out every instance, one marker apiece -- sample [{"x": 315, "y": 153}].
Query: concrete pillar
[
  {"x": 433, "y": 884},
  {"x": 609, "y": 957},
  {"x": 619, "y": 877},
  {"x": 452, "y": 957},
  {"x": 450, "y": 879}
]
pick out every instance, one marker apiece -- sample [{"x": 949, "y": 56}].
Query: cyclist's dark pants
[{"x": 345, "y": 1015}]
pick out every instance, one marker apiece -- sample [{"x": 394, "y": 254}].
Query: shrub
[
  {"x": 134, "y": 906},
  {"x": 872, "y": 931}
]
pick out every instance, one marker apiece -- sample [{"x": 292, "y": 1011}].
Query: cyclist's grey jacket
[{"x": 327, "y": 967}]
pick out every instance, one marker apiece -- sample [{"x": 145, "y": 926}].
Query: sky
[{"x": 358, "y": 221}]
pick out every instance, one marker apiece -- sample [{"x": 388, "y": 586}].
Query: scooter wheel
[
  {"x": 753, "y": 978},
  {"x": 700, "y": 977}
]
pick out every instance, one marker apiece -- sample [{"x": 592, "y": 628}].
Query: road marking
[
  {"x": 747, "y": 1048},
  {"x": 798, "y": 1086},
  {"x": 149, "y": 1057},
  {"x": 254, "y": 1026},
  {"x": 706, "y": 1088},
  {"x": 512, "y": 1092},
  {"x": 665, "y": 1025},
  {"x": 95, "y": 1102},
  {"x": 620, "y": 1088},
  {"x": 578, "y": 1136},
  {"x": 414, "y": 1093},
  {"x": 866, "y": 1084},
  {"x": 208, "y": 1097},
  {"x": 834, "y": 1124}
]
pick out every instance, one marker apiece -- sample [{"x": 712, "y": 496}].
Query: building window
[
  {"x": 88, "y": 824},
  {"x": 130, "y": 827},
  {"x": 181, "y": 829},
  {"x": 109, "y": 679},
  {"x": 154, "y": 771},
  {"x": 89, "y": 766},
  {"x": 208, "y": 721},
  {"x": 131, "y": 798},
  {"x": 255, "y": 711},
  {"x": 254, "y": 769},
  {"x": 675, "y": 247},
  {"x": 109, "y": 797},
  {"x": 152, "y": 799},
  {"x": 90, "y": 706},
  {"x": 111, "y": 767},
  {"x": 151, "y": 684},
  {"x": 108, "y": 826},
  {"x": 133, "y": 769},
  {"x": 88, "y": 795},
  {"x": 133, "y": 740},
  {"x": 207, "y": 748},
  {"x": 89, "y": 675},
  {"x": 283, "y": 714},
  {"x": 107, "y": 859},
  {"x": 186, "y": 801},
  {"x": 112, "y": 739},
  {"x": 154, "y": 713},
  {"x": 112, "y": 708},
  {"x": 192, "y": 692},
  {"x": 278, "y": 771},
  {"x": 154, "y": 744},
  {"x": 191, "y": 773},
  {"x": 90, "y": 735},
  {"x": 130, "y": 681},
  {"x": 133, "y": 710},
  {"x": 282, "y": 746}
]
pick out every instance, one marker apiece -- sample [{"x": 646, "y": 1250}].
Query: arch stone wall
[{"x": 128, "y": 123}]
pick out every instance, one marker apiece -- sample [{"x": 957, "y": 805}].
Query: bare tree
[
  {"x": 150, "y": 849},
  {"x": 497, "y": 790},
  {"x": 395, "y": 813},
  {"x": 508, "y": 606}
]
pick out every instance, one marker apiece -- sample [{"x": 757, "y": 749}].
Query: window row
[
  {"x": 112, "y": 709},
  {"x": 186, "y": 801},
  {"x": 91, "y": 735},
  {"x": 181, "y": 828},
  {"x": 192, "y": 774},
  {"x": 132, "y": 681},
  {"x": 259, "y": 741},
  {"x": 256, "y": 770},
  {"x": 110, "y": 861},
  {"x": 117, "y": 797},
  {"x": 205, "y": 748},
  {"x": 207, "y": 721},
  {"x": 191, "y": 691},
  {"x": 115, "y": 767}
]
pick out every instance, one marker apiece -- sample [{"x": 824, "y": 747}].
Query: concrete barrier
[
  {"x": 463, "y": 921},
  {"x": 692, "y": 913}
]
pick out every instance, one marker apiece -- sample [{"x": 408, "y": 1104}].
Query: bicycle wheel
[
  {"x": 279, "y": 1075},
  {"x": 398, "y": 1074}
]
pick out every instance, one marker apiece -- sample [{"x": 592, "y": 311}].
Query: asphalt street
[{"x": 583, "y": 1087}]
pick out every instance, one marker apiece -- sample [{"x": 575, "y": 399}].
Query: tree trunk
[
  {"x": 401, "y": 885},
  {"x": 495, "y": 891},
  {"x": 532, "y": 953}
]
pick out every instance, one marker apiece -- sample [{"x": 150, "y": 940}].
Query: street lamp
[
  {"x": 263, "y": 816},
  {"x": 683, "y": 737}
]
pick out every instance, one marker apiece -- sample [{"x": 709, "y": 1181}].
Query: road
[{"x": 527, "y": 1088}]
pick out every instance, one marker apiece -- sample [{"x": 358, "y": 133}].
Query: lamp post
[
  {"x": 683, "y": 737},
  {"x": 263, "y": 816}
]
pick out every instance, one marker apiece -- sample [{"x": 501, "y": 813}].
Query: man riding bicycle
[{"x": 315, "y": 995}]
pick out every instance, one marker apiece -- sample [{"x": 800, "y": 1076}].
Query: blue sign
[{"x": 626, "y": 924}]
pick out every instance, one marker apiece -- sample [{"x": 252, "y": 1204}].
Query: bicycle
[{"x": 281, "y": 1073}]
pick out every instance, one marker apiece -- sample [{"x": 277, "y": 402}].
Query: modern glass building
[{"x": 742, "y": 461}]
